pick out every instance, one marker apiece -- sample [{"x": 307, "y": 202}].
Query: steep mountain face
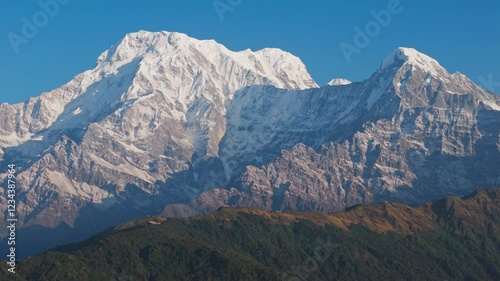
[
  {"x": 163, "y": 119},
  {"x": 451, "y": 239},
  {"x": 411, "y": 133},
  {"x": 152, "y": 106}
]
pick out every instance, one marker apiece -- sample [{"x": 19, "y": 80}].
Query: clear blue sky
[{"x": 462, "y": 35}]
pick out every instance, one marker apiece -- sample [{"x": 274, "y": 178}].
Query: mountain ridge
[
  {"x": 453, "y": 238},
  {"x": 173, "y": 125}
]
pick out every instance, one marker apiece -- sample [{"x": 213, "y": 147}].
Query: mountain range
[{"x": 170, "y": 125}]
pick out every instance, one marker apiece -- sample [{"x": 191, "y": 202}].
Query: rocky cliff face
[
  {"x": 411, "y": 133},
  {"x": 164, "y": 119},
  {"x": 153, "y": 107}
]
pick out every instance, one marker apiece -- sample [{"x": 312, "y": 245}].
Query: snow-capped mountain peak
[
  {"x": 409, "y": 67},
  {"x": 339, "y": 82},
  {"x": 283, "y": 69},
  {"x": 168, "y": 66},
  {"x": 409, "y": 56}
]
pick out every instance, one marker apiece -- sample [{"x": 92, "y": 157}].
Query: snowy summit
[
  {"x": 339, "y": 81},
  {"x": 409, "y": 56}
]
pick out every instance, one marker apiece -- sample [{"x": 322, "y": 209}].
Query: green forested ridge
[{"x": 452, "y": 239}]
